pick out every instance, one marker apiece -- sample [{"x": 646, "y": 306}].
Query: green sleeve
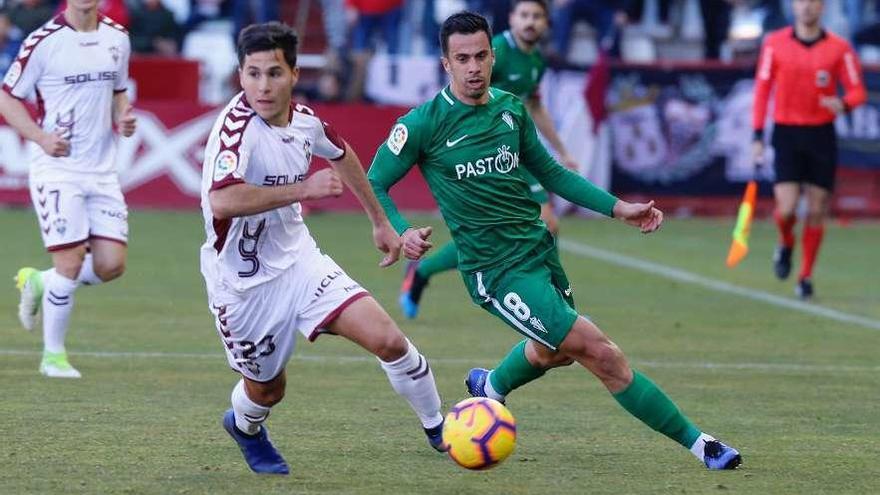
[
  {"x": 393, "y": 160},
  {"x": 558, "y": 179}
]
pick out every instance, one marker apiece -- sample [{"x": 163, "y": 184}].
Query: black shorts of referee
[{"x": 805, "y": 154}]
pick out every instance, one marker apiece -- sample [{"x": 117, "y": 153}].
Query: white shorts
[
  {"x": 72, "y": 212},
  {"x": 258, "y": 327}
]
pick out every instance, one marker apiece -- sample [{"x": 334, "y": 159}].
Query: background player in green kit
[
  {"x": 472, "y": 144},
  {"x": 519, "y": 67}
]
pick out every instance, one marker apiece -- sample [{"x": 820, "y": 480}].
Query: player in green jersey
[
  {"x": 519, "y": 67},
  {"x": 472, "y": 144}
]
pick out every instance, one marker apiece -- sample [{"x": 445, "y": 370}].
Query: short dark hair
[
  {"x": 542, "y": 3},
  {"x": 267, "y": 37},
  {"x": 462, "y": 23}
]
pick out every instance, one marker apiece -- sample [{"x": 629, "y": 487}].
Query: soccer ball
[{"x": 479, "y": 432}]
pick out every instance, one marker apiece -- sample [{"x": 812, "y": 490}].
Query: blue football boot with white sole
[{"x": 258, "y": 450}]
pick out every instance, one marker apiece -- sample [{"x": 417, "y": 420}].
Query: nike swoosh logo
[{"x": 450, "y": 144}]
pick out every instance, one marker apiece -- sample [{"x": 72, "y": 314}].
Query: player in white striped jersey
[
  {"x": 265, "y": 276},
  {"x": 76, "y": 65}
]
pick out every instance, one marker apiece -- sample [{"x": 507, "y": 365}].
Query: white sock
[
  {"x": 490, "y": 390},
  {"x": 411, "y": 377},
  {"x": 249, "y": 415},
  {"x": 697, "y": 447},
  {"x": 87, "y": 272},
  {"x": 57, "y": 305}
]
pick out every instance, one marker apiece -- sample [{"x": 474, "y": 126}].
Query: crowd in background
[{"x": 343, "y": 34}]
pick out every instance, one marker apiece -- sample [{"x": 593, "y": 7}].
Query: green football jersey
[
  {"x": 520, "y": 73},
  {"x": 472, "y": 157},
  {"x": 516, "y": 71}
]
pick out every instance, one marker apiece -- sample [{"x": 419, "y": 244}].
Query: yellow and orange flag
[{"x": 739, "y": 247}]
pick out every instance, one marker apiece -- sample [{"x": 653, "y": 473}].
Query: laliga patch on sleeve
[
  {"x": 225, "y": 164},
  {"x": 397, "y": 138},
  {"x": 13, "y": 74}
]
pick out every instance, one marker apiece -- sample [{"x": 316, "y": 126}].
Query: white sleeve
[
  {"x": 233, "y": 154},
  {"x": 328, "y": 144},
  {"x": 26, "y": 70},
  {"x": 122, "y": 80}
]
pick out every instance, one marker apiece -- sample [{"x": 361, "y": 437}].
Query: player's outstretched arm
[
  {"x": 642, "y": 215},
  {"x": 17, "y": 115},
  {"x": 241, "y": 199},
  {"x": 352, "y": 173},
  {"x": 387, "y": 169}
]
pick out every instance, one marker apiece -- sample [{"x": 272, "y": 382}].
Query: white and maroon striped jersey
[
  {"x": 243, "y": 252},
  {"x": 74, "y": 76}
]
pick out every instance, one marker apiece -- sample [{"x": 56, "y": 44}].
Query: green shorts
[
  {"x": 532, "y": 295},
  {"x": 538, "y": 192}
]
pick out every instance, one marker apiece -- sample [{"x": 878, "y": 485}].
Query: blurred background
[{"x": 660, "y": 108}]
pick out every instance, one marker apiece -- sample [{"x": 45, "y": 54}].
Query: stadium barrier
[{"x": 679, "y": 134}]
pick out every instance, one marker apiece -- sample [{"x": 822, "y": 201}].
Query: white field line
[
  {"x": 716, "y": 285},
  {"x": 220, "y": 358}
]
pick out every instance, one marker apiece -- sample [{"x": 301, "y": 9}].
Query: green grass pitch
[{"x": 796, "y": 392}]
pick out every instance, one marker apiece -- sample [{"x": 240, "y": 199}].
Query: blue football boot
[
  {"x": 476, "y": 382},
  {"x": 257, "y": 449},
  {"x": 411, "y": 290},
  {"x": 435, "y": 438}
]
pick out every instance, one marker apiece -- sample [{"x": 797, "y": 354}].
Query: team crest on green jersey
[{"x": 508, "y": 119}]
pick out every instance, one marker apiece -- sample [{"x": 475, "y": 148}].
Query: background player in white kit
[
  {"x": 77, "y": 65},
  {"x": 265, "y": 276}
]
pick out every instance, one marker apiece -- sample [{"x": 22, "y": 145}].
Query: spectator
[
  {"x": 28, "y": 15},
  {"x": 635, "y": 11},
  {"x": 367, "y": 17},
  {"x": 153, "y": 29},
  {"x": 603, "y": 15},
  {"x": 8, "y": 44},
  {"x": 716, "y": 24},
  {"x": 334, "y": 26},
  {"x": 205, "y": 10},
  {"x": 245, "y": 12}
]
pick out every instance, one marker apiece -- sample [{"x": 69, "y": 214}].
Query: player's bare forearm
[
  {"x": 241, "y": 200},
  {"x": 544, "y": 123},
  {"x": 352, "y": 173},
  {"x": 17, "y": 115},
  {"x": 120, "y": 104}
]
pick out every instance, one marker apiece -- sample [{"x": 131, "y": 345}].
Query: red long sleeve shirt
[{"x": 802, "y": 73}]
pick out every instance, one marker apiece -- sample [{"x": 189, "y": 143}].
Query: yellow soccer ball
[{"x": 479, "y": 432}]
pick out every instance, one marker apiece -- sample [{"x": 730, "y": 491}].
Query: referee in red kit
[{"x": 804, "y": 64}]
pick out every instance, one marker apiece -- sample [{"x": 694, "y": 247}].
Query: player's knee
[
  {"x": 391, "y": 346},
  {"x": 268, "y": 394},
  {"x": 610, "y": 360},
  {"x": 109, "y": 271},
  {"x": 556, "y": 360},
  {"x": 815, "y": 216},
  {"x": 68, "y": 266}
]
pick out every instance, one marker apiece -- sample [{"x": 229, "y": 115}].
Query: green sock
[
  {"x": 444, "y": 259},
  {"x": 514, "y": 371},
  {"x": 647, "y": 402}
]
